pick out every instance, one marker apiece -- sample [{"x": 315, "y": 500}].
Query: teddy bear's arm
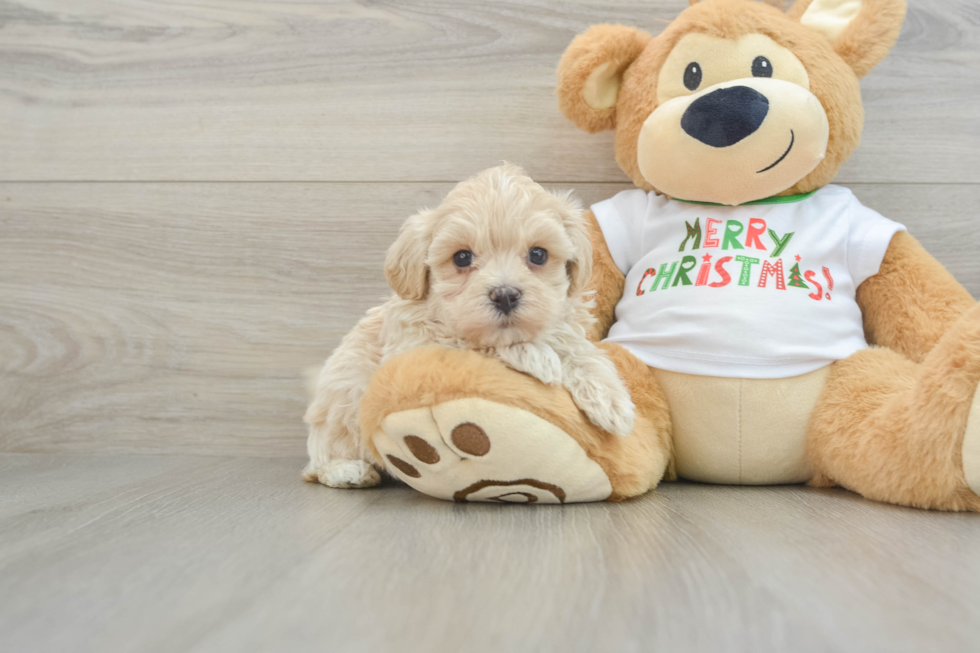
[
  {"x": 912, "y": 301},
  {"x": 607, "y": 281}
]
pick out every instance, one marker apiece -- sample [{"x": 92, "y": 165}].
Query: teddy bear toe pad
[{"x": 479, "y": 450}]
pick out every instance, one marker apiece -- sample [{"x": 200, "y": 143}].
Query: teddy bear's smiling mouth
[{"x": 792, "y": 140}]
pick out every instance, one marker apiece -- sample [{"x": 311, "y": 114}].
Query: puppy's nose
[
  {"x": 505, "y": 298},
  {"x": 726, "y": 116}
]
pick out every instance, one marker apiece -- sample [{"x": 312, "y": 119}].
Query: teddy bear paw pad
[{"x": 479, "y": 450}]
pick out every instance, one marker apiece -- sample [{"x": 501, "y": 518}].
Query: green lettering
[
  {"x": 664, "y": 275},
  {"x": 733, "y": 229},
  {"x": 688, "y": 263},
  {"x": 780, "y": 243},
  {"x": 747, "y": 263},
  {"x": 692, "y": 232}
]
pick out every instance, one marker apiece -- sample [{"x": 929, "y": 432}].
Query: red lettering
[
  {"x": 720, "y": 269},
  {"x": 817, "y": 294},
  {"x": 639, "y": 287},
  {"x": 774, "y": 271},
  {"x": 710, "y": 231},
  {"x": 757, "y": 227}
]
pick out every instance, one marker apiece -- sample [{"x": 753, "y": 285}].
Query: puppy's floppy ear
[
  {"x": 579, "y": 267},
  {"x": 862, "y": 31},
  {"x": 405, "y": 267},
  {"x": 591, "y": 71}
]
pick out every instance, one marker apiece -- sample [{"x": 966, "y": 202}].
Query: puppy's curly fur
[{"x": 499, "y": 216}]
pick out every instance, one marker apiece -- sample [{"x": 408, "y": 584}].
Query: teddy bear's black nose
[
  {"x": 726, "y": 116},
  {"x": 505, "y": 298}
]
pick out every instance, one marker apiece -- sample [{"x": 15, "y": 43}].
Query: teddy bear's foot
[
  {"x": 902, "y": 432},
  {"x": 343, "y": 474},
  {"x": 458, "y": 425},
  {"x": 477, "y": 450}
]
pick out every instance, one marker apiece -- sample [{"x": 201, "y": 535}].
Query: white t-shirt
[{"x": 764, "y": 290}]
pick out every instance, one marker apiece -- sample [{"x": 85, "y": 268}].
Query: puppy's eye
[
  {"x": 463, "y": 258},
  {"x": 761, "y": 67},
  {"x": 692, "y": 76},
  {"x": 538, "y": 255}
]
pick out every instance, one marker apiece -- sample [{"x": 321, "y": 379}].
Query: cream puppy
[{"x": 499, "y": 267}]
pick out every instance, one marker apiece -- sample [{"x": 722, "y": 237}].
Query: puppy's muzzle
[{"x": 505, "y": 298}]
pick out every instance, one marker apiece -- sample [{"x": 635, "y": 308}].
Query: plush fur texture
[
  {"x": 893, "y": 430},
  {"x": 431, "y": 376},
  {"x": 609, "y": 47},
  {"x": 498, "y": 216},
  {"x": 788, "y": 144},
  {"x": 607, "y": 282},
  {"x": 912, "y": 301},
  {"x": 890, "y": 421},
  {"x": 833, "y": 68},
  {"x": 868, "y": 39}
]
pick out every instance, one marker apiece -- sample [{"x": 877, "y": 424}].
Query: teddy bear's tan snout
[{"x": 733, "y": 142}]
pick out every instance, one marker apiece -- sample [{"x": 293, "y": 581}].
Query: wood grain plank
[
  {"x": 178, "y": 317},
  {"x": 151, "y": 308},
  {"x": 150, "y": 552},
  {"x": 407, "y": 91},
  {"x": 156, "y": 553},
  {"x": 896, "y": 572}
]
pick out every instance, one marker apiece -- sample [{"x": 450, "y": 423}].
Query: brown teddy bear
[{"x": 771, "y": 329}]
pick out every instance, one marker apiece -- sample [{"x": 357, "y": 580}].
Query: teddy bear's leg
[
  {"x": 459, "y": 425},
  {"x": 652, "y": 451},
  {"x": 902, "y": 432}
]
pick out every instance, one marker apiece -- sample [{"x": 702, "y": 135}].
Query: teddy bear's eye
[
  {"x": 463, "y": 258},
  {"x": 692, "y": 76},
  {"x": 761, "y": 67}
]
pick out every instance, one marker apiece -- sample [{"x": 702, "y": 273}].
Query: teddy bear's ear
[
  {"x": 591, "y": 71},
  {"x": 862, "y": 31},
  {"x": 405, "y": 267}
]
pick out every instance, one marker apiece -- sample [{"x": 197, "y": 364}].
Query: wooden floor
[
  {"x": 195, "y": 199},
  {"x": 182, "y": 553}
]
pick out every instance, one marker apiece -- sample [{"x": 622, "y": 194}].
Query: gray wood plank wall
[{"x": 162, "y": 288}]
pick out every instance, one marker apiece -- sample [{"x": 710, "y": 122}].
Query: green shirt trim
[{"x": 785, "y": 199}]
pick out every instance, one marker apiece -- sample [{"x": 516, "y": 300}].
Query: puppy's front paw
[
  {"x": 539, "y": 361},
  {"x": 343, "y": 474},
  {"x": 600, "y": 393},
  {"x": 612, "y": 410}
]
